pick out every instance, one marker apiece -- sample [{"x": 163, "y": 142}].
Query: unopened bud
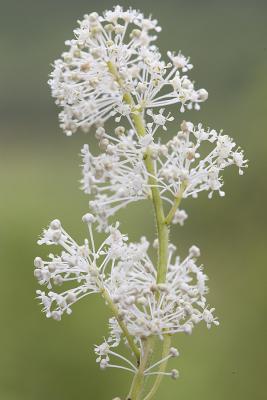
[
  {"x": 120, "y": 130},
  {"x": 38, "y": 262},
  {"x": 88, "y": 218},
  {"x": 202, "y": 94},
  {"x": 174, "y": 374},
  {"x": 174, "y": 352},
  {"x": 71, "y": 298},
  {"x": 194, "y": 251},
  {"x": 55, "y": 224}
]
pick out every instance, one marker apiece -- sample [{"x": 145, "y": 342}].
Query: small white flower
[
  {"x": 159, "y": 119},
  {"x": 179, "y": 217},
  {"x": 180, "y": 61}
]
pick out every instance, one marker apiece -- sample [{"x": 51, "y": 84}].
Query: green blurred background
[{"x": 39, "y": 172}]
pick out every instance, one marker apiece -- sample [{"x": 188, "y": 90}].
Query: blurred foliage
[{"x": 39, "y": 173}]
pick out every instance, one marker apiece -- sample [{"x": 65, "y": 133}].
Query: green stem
[
  {"x": 176, "y": 203},
  {"x": 165, "y": 352},
  {"x": 163, "y": 238},
  {"x": 163, "y": 233},
  {"x": 162, "y": 228},
  {"x": 138, "y": 381},
  {"x": 116, "y": 314}
]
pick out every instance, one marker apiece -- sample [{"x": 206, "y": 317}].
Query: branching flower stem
[
  {"x": 116, "y": 314},
  {"x": 175, "y": 205},
  {"x": 162, "y": 368},
  {"x": 138, "y": 380},
  {"x": 163, "y": 239}
]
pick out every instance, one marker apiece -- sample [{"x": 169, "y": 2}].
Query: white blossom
[
  {"x": 159, "y": 119},
  {"x": 196, "y": 159},
  {"x": 113, "y": 69},
  {"x": 116, "y": 177},
  {"x": 82, "y": 265},
  {"x": 179, "y": 217},
  {"x": 111, "y": 55},
  {"x": 125, "y": 271},
  {"x": 151, "y": 308},
  {"x": 191, "y": 162}
]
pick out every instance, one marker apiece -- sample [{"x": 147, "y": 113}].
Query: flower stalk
[
  {"x": 116, "y": 314},
  {"x": 165, "y": 351},
  {"x": 176, "y": 204},
  {"x": 137, "y": 386},
  {"x": 163, "y": 240}
]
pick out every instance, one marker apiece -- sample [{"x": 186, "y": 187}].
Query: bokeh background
[{"x": 39, "y": 172}]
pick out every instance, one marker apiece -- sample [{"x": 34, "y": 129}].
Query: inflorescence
[
  {"x": 125, "y": 273},
  {"x": 122, "y": 42},
  {"x": 113, "y": 70}
]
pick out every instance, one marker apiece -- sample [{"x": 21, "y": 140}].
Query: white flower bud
[
  {"x": 120, "y": 130},
  {"x": 51, "y": 267},
  {"x": 202, "y": 94},
  {"x": 56, "y": 315},
  {"x": 174, "y": 352},
  {"x": 194, "y": 251},
  {"x": 103, "y": 144},
  {"x": 38, "y": 274},
  {"x": 38, "y": 262},
  {"x": 187, "y": 329},
  {"x": 56, "y": 235},
  {"x": 88, "y": 218},
  {"x": 103, "y": 363},
  {"x": 55, "y": 224},
  {"x": 174, "y": 374},
  {"x": 100, "y": 132},
  {"x": 70, "y": 298}
]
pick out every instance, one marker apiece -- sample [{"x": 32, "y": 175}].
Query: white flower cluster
[
  {"x": 191, "y": 162},
  {"x": 112, "y": 68},
  {"x": 195, "y": 159},
  {"x": 113, "y": 54},
  {"x": 126, "y": 273},
  {"x": 175, "y": 306},
  {"x": 82, "y": 264}
]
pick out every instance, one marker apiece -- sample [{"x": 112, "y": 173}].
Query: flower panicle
[
  {"x": 113, "y": 54},
  {"x": 183, "y": 167},
  {"x": 112, "y": 69},
  {"x": 125, "y": 271}
]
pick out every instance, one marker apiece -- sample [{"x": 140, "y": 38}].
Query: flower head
[
  {"x": 191, "y": 162},
  {"x": 151, "y": 308},
  {"x": 83, "y": 266},
  {"x": 127, "y": 273},
  {"x": 111, "y": 67}
]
